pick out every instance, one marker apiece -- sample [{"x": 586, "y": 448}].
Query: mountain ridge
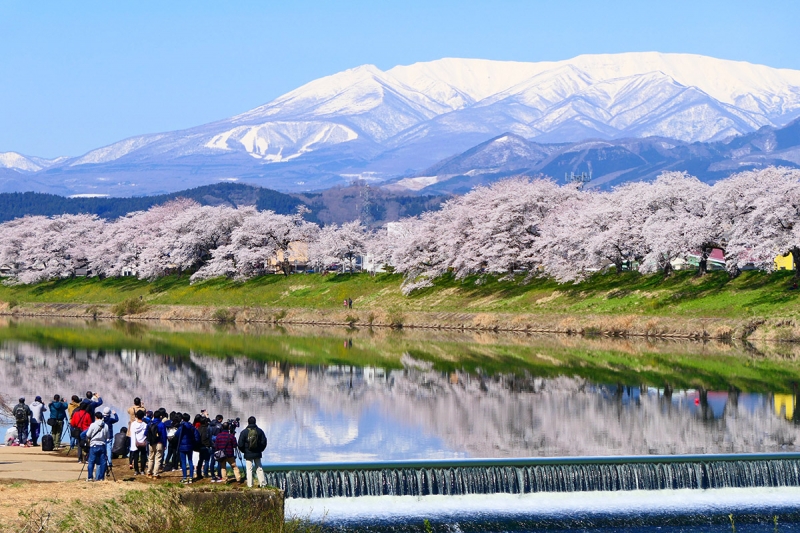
[{"x": 380, "y": 125}]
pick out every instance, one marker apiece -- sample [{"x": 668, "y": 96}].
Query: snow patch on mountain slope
[
  {"x": 117, "y": 150},
  {"x": 16, "y": 161},
  {"x": 281, "y": 141}
]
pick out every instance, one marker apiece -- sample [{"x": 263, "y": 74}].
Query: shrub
[
  {"x": 224, "y": 316},
  {"x": 12, "y": 303},
  {"x": 396, "y": 319},
  {"x": 131, "y": 306},
  {"x": 280, "y": 315},
  {"x": 350, "y": 319}
]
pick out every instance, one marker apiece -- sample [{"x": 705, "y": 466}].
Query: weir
[{"x": 528, "y": 475}]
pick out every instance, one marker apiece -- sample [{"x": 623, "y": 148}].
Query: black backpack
[
  {"x": 20, "y": 414},
  {"x": 153, "y": 436},
  {"x": 47, "y": 443}
]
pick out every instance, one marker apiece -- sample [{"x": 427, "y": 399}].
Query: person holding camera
[
  {"x": 58, "y": 413},
  {"x": 37, "y": 419},
  {"x": 252, "y": 443}
]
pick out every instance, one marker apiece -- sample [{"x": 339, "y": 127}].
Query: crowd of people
[{"x": 154, "y": 441}]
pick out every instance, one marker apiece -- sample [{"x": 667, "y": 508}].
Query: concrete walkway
[{"x": 35, "y": 465}]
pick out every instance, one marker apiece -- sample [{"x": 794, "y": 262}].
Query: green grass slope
[{"x": 683, "y": 294}]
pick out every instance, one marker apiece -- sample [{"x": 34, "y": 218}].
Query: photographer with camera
[
  {"x": 58, "y": 413},
  {"x": 37, "y": 419}
]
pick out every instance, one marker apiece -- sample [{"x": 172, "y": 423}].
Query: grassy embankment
[
  {"x": 72, "y": 507},
  {"x": 628, "y": 303},
  {"x": 715, "y": 365}
]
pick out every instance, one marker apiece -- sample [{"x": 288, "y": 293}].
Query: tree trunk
[{"x": 795, "y": 251}]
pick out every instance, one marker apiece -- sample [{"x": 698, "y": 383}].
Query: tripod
[{"x": 109, "y": 466}]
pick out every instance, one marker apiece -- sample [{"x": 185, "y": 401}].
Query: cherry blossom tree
[
  {"x": 258, "y": 245},
  {"x": 759, "y": 216},
  {"x": 677, "y": 220},
  {"x": 41, "y": 248},
  {"x": 339, "y": 244}
]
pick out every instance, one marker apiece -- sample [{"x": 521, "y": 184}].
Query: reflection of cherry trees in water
[{"x": 473, "y": 415}]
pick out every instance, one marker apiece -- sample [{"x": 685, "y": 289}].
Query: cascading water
[{"x": 520, "y": 476}]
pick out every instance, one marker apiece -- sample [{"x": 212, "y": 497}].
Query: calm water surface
[
  {"x": 361, "y": 395},
  {"x": 347, "y": 395}
]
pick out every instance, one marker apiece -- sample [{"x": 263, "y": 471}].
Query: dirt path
[{"x": 32, "y": 464}]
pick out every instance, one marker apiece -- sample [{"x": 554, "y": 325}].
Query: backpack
[
  {"x": 153, "y": 436},
  {"x": 20, "y": 414},
  {"x": 47, "y": 443},
  {"x": 171, "y": 432},
  {"x": 252, "y": 440}
]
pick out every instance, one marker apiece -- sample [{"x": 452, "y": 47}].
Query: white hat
[{"x": 106, "y": 411}]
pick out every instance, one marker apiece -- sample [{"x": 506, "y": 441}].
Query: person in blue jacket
[
  {"x": 187, "y": 438},
  {"x": 109, "y": 419},
  {"x": 94, "y": 401},
  {"x": 58, "y": 413}
]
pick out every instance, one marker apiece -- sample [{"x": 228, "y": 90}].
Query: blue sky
[{"x": 78, "y": 75}]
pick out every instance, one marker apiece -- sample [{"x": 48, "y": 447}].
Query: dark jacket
[
  {"x": 186, "y": 437},
  {"x": 262, "y": 443},
  {"x": 26, "y": 409},
  {"x": 226, "y": 442},
  {"x": 205, "y": 436},
  {"x": 93, "y": 405},
  {"x": 122, "y": 444},
  {"x": 58, "y": 410}
]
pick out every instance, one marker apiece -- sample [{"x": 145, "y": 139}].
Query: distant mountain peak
[{"x": 384, "y": 124}]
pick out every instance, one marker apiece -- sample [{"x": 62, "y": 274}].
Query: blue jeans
[
  {"x": 186, "y": 457},
  {"x": 36, "y": 427},
  {"x": 109, "y": 443},
  {"x": 97, "y": 456}
]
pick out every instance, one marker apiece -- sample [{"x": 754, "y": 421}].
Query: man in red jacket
[{"x": 80, "y": 422}]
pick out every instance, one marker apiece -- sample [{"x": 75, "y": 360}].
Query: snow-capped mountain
[
  {"x": 605, "y": 162},
  {"x": 382, "y": 124}
]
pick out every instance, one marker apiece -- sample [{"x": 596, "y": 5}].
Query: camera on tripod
[{"x": 233, "y": 425}]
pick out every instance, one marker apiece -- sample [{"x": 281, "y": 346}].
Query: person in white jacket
[
  {"x": 97, "y": 435},
  {"x": 37, "y": 419},
  {"x": 138, "y": 432}
]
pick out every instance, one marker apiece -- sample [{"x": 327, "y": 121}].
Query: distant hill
[
  {"x": 610, "y": 162},
  {"x": 337, "y": 205}
]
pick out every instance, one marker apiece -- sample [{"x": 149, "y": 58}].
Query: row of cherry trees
[
  {"x": 535, "y": 226},
  {"x": 566, "y": 233}
]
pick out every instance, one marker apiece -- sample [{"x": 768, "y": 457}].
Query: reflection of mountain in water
[{"x": 347, "y": 413}]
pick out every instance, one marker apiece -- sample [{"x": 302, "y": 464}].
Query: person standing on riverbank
[
  {"x": 97, "y": 435},
  {"x": 22, "y": 415},
  {"x": 225, "y": 452},
  {"x": 138, "y": 431},
  {"x": 252, "y": 443},
  {"x": 157, "y": 440},
  {"x": 58, "y": 413},
  {"x": 187, "y": 437},
  {"x": 37, "y": 419},
  {"x": 109, "y": 419}
]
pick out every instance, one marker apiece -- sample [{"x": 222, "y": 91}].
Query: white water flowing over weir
[{"x": 535, "y": 475}]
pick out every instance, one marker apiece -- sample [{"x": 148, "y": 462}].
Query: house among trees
[{"x": 784, "y": 262}]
